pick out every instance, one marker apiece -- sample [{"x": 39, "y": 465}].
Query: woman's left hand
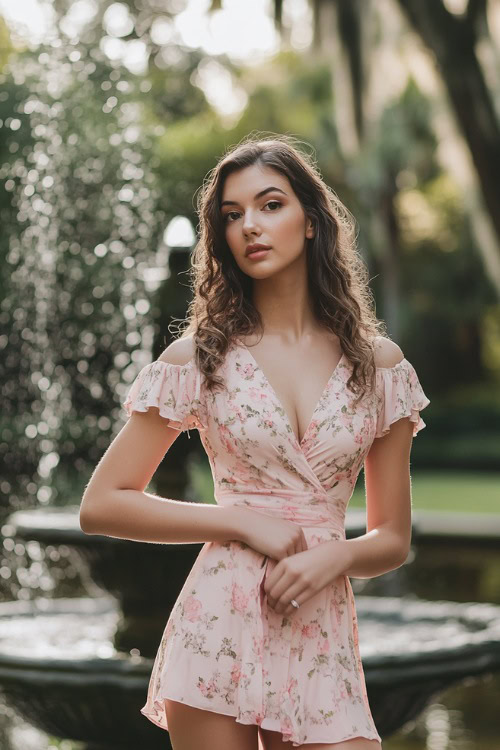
[{"x": 304, "y": 574}]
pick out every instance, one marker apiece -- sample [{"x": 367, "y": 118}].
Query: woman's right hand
[{"x": 275, "y": 537}]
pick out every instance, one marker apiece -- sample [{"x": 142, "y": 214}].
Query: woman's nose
[{"x": 249, "y": 222}]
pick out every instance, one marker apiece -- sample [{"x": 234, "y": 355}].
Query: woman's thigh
[
  {"x": 272, "y": 741},
  {"x": 193, "y": 728}
]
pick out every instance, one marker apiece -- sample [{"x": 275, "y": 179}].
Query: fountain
[{"x": 79, "y": 668}]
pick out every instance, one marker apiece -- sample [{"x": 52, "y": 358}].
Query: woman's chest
[
  {"x": 248, "y": 417},
  {"x": 296, "y": 378}
]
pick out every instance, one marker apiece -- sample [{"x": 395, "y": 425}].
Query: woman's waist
[{"x": 304, "y": 508}]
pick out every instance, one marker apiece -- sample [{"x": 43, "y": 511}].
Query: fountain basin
[
  {"x": 144, "y": 578},
  {"x": 60, "y": 670}
]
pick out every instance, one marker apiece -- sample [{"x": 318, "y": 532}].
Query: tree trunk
[{"x": 452, "y": 40}]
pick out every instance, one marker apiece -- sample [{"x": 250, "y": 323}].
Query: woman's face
[{"x": 276, "y": 219}]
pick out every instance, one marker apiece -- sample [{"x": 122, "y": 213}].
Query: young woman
[{"x": 285, "y": 372}]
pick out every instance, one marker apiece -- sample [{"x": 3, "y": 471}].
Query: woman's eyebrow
[{"x": 259, "y": 195}]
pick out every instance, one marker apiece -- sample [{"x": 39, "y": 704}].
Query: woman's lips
[{"x": 257, "y": 254}]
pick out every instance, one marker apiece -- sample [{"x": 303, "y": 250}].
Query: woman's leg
[
  {"x": 272, "y": 741},
  {"x": 193, "y": 728}
]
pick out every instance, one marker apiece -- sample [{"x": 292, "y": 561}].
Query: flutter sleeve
[
  {"x": 399, "y": 395},
  {"x": 174, "y": 389}
]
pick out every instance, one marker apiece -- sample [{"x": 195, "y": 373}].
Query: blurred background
[{"x": 111, "y": 115}]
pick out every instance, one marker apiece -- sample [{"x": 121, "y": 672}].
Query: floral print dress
[{"x": 223, "y": 648}]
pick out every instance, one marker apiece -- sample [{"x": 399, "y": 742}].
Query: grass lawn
[
  {"x": 447, "y": 490},
  {"x": 431, "y": 490}
]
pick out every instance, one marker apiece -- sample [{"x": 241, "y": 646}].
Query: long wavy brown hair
[{"x": 222, "y": 310}]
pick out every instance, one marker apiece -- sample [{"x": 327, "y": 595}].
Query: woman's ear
[{"x": 310, "y": 229}]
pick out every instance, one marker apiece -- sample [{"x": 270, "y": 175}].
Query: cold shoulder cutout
[
  {"x": 387, "y": 353},
  {"x": 174, "y": 389},
  {"x": 400, "y": 395}
]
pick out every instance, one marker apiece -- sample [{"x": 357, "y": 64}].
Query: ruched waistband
[{"x": 304, "y": 509}]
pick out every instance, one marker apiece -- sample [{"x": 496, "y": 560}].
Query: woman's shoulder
[
  {"x": 386, "y": 352},
  {"x": 179, "y": 352}
]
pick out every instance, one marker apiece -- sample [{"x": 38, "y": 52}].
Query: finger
[
  {"x": 286, "y": 607},
  {"x": 290, "y": 609},
  {"x": 283, "y": 594},
  {"x": 276, "y": 593},
  {"x": 270, "y": 586}
]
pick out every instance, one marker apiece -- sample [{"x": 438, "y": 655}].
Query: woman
[{"x": 285, "y": 372}]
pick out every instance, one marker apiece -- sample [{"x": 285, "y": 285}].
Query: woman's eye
[
  {"x": 229, "y": 213},
  {"x": 277, "y": 203}
]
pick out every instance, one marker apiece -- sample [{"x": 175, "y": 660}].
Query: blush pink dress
[{"x": 224, "y": 649}]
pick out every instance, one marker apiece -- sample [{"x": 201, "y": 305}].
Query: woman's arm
[
  {"x": 115, "y": 503},
  {"x": 386, "y": 544},
  {"x": 142, "y": 517}
]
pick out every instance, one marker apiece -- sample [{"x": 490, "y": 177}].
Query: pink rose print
[
  {"x": 311, "y": 631},
  {"x": 192, "y": 608},
  {"x": 235, "y": 674},
  {"x": 226, "y": 439},
  {"x": 248, "y": 371},
  {"x": 203, "y": 687},
  {"x": 324, "y": 647},
  {"x": 258, "y": 648},
  {"x": 239, "y": 414},
  {"x": 342, "y": 475},
  {"x": 239, "y": 600},
  {"x": 257, "y": 394},
  {"x": 313, "y": 426}
]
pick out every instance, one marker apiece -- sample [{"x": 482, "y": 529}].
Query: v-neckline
[{"x": 298, "y": 443}]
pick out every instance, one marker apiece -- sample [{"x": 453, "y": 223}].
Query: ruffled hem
[
  {"x": 156, "y": 714},
  {"x": 173, "y": 389},
  {"x": 401, "y": 395}
]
